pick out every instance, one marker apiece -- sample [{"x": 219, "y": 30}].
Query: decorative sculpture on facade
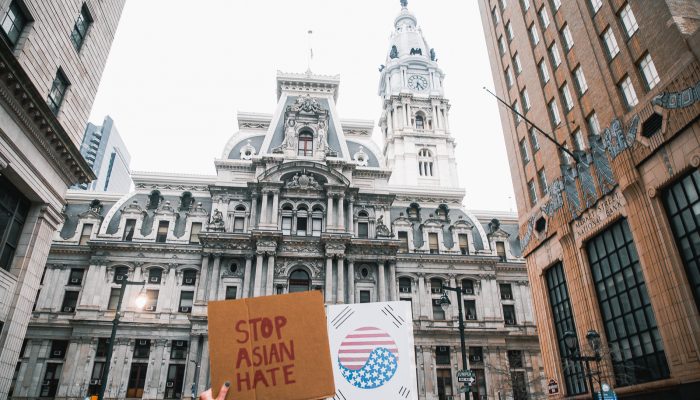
[
  {"x": 381, "y": 229},
  {"x": 394, "y": 53},
  {"x": 685, "y": 98},
  {"x": 306, "y": 104},
  {"x": 217, "y": 221},
  {"x": 303, "y": 181}
]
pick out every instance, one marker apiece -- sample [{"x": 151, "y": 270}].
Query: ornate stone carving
[
  {"x": 217, "y": 221},
  {"x": 381, "y": 229},
  {"x": 303, "y": 181},
  {"x": 306, "y": 104}
]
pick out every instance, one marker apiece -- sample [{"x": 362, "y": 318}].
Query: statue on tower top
[{"x": 404, "y": 3}]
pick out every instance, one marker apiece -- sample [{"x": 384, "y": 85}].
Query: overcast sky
[{"x": 179, "y": 71}]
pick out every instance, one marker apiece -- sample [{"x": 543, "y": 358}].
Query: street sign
[
  {"x": 466, "y": 376},
  {"x": 606, "y": 393},
  {"x": 552, "y": 387}
]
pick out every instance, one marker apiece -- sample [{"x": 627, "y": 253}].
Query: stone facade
[
  {"x": 39, "y": 156},
  {"x": 302, "y": 200},
  {"x": 624, "y": 79}
]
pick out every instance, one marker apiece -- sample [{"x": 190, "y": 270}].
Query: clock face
[{"x": 417, "y": 82}]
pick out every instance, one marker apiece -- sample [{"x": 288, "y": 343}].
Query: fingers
[
  {"x": 206, "y": 395},
  {"x": 223, "y": 391}
]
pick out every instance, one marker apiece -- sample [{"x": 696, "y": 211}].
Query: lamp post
[
  {"x": 593, "y": 339},
  {"x": 140, "y": 303},
  {"x": 445, "y": 304}
]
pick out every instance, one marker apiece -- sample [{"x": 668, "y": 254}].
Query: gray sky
[{"x": 179, "y": 71}]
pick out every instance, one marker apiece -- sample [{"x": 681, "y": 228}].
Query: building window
[
  {"x": 470, "y": 310},
  {"x": 85, "y": 234},
  {"x": 509, "y": 77},
  {"x": 70, "y": 300},
  {"x": 566, "y": 36},
  {"x": 175, "y": 381},
  {"x": 129, "y": 228},
  {"x": 517, "y": 113},
  {"x": 186, "y": 301},
  {"x": 142, "y": 348},
  {"x": 306, "y": 144},
  {"x": 438, "y": 312},
  {"x": 113, "y": 299},
  {"x": 155, "y": 275},
  {"x": 503, "y": 4},
  {"x": 523, "y": 152},
  {"x": 76, "y": 276},
  {"x": 554, "y": 112},
  {"x": 404, "y": 285},
  {"x": 189, "y": 277},
  {"x": 595, "y": 5},
  {"x": 525, "y": 4},
  {"x": 579, "y": 144},
  {"x": 520, "y": 385},
  {"x": 544, "y": 18},
  {"x": 682, "y": 204},
  {"x": 532, "y": 191},
  {"x": 162, "y": 233},
  {"x": 436, "y": 286},
  {"x": 121, "y": 274},
  {"x": 444, "y": 383},
  {"x": 58, "y": 91},
  {"x": 542, "y": 178},
  {"x": 566, "y": 94},
  {"x": 628, "y": 92},
  {"x": 52, "y": 375},
  {"x": 364, "y": 296},
  {"x": 14, "y": 21},
  {"x": 495, "y": 16},
  {"x": 58, "y": 349},
  {"x": 506, "y": 291},
  {"x": 509, "y": 31},
  {"x": 628, "y": 20},
  {"x": 194, "y": 232},
  {"x": 425, "y": 162},
  {"x": 516, "y": 64},
  {"x": 231, "y": 293},
  {"x": 463, "y": 243},
  {"x": 525, "y": 98},
  {"x": 544, "y": 71},
  {"x": 363, "y": 230},
  {"x": 81, "y": 27},
  {"x": 515, "y": 359},
  {"x": 625, "y": 307},
  {"x": 178, "y": 350},
  {"x": 534, "y": 142},
  {"x": 442, "y": 355},
  {"x": 299, "y": 281},
  {"x": 593, "y": 125},
  {"x": 563, "y": 321},
  {"x": 556, "y": 4},
  {"x": 151, "y": 300},
  {"x": 403, "y": 242},
  {"x": 610, "y": 43},
  {"x": 646, "y": 66},
  {"x": 476, "y": 354},
  {"x": 238, "y": 224},
  {"x": 468, "y": 286},
  {"x": 554, "y": 55},
  {"x": 501, "y": 251},
  {"x": 420, "y": 123},
  {"x": 96, "y": 377},
  {"x": 287, "y": 225},
  {"x": 13, "y": 213},
  {"x": 137, "y": 380},
  {"x": 581, "y": 84},
  {"x": 501, "y": 45},
  {"x": 433, "y": 243},
  {"x": 534, "y": 36},
  {"x": 509, "y": 314}
]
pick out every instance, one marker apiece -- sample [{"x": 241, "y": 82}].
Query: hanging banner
[{"x": 372, "y": 351}]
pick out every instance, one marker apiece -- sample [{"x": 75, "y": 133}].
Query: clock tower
[{"x": 418, "y": 147}]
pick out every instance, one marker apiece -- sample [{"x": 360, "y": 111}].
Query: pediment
[
  {"x": 500, "y": 233},
  {"x": 303, "y": 175}
]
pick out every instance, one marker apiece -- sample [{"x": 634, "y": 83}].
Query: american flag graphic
[{"x": 368, "y": 357}]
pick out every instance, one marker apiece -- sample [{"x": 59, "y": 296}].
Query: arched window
[
  {"x": 306, "y": 144},
  {"x": 436, "y": 286},
  {"x": 420, "y": 122},
  {"x": 425, "y": 162},
  {"x": 299, "y": 281}
]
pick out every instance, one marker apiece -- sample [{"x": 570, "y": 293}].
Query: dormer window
[
  {"x": 129, "y": 229},
  {"x": 501, "y": 250},
  {"x": 162, "y": 234},
  {"x": 306, "y": 144}
]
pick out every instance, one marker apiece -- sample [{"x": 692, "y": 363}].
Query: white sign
[{"x": 372, "y": 351}]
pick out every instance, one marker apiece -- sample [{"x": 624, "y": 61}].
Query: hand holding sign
[{"x": 207, "y": 395}]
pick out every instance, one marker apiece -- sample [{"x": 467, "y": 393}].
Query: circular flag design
[{"x": 368, "y": 357}]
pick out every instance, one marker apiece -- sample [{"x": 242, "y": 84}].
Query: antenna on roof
[{"x": 311, "y": 52}]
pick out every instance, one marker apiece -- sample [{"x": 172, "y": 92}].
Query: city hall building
[{"x": 302, "y": 200}]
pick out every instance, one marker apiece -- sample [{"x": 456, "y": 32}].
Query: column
[
  {"x": 263, "y": 209},
  {"x": 214, "y": 278},
  {"x": 258, "y": 274},
  {"x": 329, "y": 212},
  {"x": 351, "y": 281},
  {"x": 275, "y": 207},
  {"x": 351, "y": 213},
  {"x": 392, "y": 280},
  {"x": 246, "y": 275},
  {"x": 454, "y": 311},
  {"x": 340, "y": 293},
  {"x": 423, "y": 301},
  {"x": 253, "y": 223},
  {"x": 382, "y": 281},
  {"x": 202, "y": 281},
  {"x": 341, "y": 212},
  {"x": 329, "y": 279},
  {"x": 269, "y": 283}
]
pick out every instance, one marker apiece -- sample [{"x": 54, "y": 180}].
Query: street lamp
[
  {"x": 140, "y": 302},
  {"x": 593, "y": 338},
  {"x": 445, "y": 304}
]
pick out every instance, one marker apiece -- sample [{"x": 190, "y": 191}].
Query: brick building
[
  {"x": 610, "y": 233},
  {"x": 52, "y": 54}
]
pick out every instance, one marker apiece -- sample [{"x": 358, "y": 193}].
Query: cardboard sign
[
  {"x": 272, "y": 347},
  {"x": 372, "y": 351}
]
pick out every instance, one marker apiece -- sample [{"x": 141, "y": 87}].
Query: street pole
[
  {"x": 112, "y": 337},
  {"x": 590, "y": 376},
  {"x": 461, "y": 329}
]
